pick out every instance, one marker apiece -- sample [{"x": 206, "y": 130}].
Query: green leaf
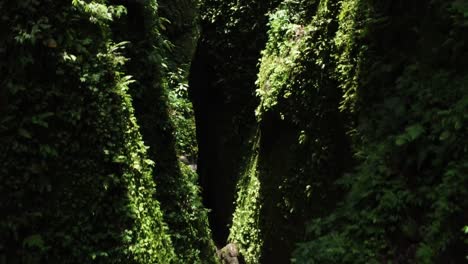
[
  {"x": 461, "y": 7},
  {"x": 415, "y": 131},
  {"x": 400, "y": 141},
  {"x": 24, "y": 133},
  {"x": 445, "y": 135},
  {"x": 34, "y": 241},
  {"x": 120, "y": 159}
]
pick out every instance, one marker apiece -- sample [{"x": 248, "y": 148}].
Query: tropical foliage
[
  {"x": 78, "y": 151},
  {"x": 325, "y": 131}
]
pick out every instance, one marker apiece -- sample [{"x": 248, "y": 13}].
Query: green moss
[
  {"x": 348, "y": 52},
  {"x": 338, "y": 89},
  {"x": 75, "y": 172},
  {"x": 245, "y": 230},
  {"x": 167, "y": 122},
  {"x": 279, "y": 59},
  {"x": 296, "y": 147},
  {"x": 396, "y": 94}
]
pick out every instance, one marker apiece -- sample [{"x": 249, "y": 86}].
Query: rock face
[{"x": 230, "y": 254}]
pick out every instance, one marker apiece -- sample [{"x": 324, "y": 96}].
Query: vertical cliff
[
  {"x": 77, "y": 181},
  {"x": 160, "y": 53},
  {"x": 94, "y": 115},
  {"x": 358, "y": 129}
]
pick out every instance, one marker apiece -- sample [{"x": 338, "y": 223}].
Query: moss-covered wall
[
  {"x": 77, "y": 183},
  {"x": 360, "y": 130},
  {"x": 160, "y": 55},
  {"x": 345, "y": 144},
  {"x": 303, "y": 147},
  {"x": 97, "y": 113},
  {"x": 401, "y": 69}
]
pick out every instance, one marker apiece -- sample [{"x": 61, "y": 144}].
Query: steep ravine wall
[
  {"x": 76, "y": 179},
  {"x": 302, "y": 143},
  {"x": 404, "y": 82},
  {"x": 356, "y": 153},
  {"x": 92, "y": 133},
  {"x": 166, "y": 117}
]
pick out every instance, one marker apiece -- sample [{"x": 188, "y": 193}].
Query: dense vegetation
[
  {"x": 405, "y": 88},
  {"x": 360, "y": 134},
  {"x": 78, "y": 178},
  {"x": 325, "y": 131}
]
